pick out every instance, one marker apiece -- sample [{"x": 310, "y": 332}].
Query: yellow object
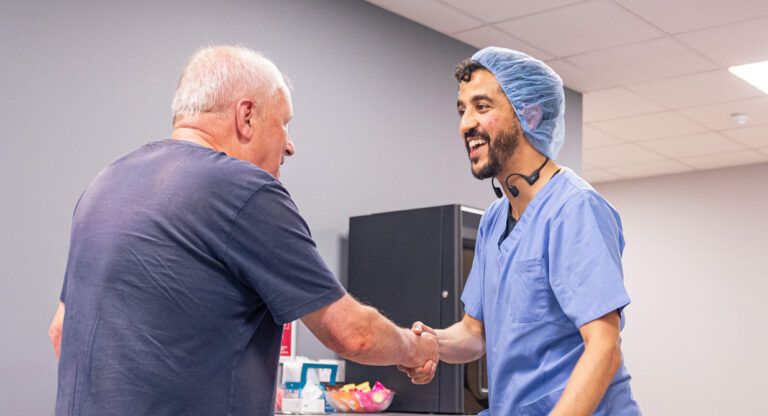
[
  {"x": 348, "y": 387},
  {"x": 364, "y": 387}
]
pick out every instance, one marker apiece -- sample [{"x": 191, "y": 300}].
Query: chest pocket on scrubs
[{"x": 528, "y": 290}]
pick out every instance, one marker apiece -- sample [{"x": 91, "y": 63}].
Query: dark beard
[{"x": 500, "y": 149}]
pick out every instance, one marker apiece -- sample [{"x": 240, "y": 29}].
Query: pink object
[
  {"x": 376, "y": 400},
  {"x": 279, "y": 399}
]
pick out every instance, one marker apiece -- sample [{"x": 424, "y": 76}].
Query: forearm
[
  {"x": 360, "y": 333},
  {"x": 590, "y": 379},
  {"x": 460, "y": 343},
  {"x": 381, "y": 342}
]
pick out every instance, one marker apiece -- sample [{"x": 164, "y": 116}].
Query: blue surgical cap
[{"x": 536, "y": 93}]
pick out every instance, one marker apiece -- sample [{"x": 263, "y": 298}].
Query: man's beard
[{"x": 500, "y": 149}]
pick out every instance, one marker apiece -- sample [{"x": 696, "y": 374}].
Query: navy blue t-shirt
[{"x": 183, "y": 265}]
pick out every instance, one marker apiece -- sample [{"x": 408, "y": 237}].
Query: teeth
[{"x": 475, "y": 142}]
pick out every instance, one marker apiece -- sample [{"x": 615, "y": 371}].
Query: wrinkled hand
[
  {"x": 425, "y": 373},
  {"x": 54, "y": 332}
]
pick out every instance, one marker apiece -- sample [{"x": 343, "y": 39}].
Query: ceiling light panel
[{"x": 755, "y": 74}]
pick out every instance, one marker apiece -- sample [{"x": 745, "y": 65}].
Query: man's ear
[
  {"x": 532, "y": 116},
  {"x": 245, "y": 115}
]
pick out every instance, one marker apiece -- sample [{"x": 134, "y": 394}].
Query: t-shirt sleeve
[
  {"x": 472, "y": 297},
  {"x": 270, "y": 249},
  {"x": 585, "y": 272}
]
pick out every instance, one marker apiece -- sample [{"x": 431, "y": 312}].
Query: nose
[
  {"x": 467, "y": 123},
  {"x": 290, "y": 149}
]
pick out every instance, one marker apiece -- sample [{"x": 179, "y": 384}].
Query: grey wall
[
  {"x": 85, "y": 82},
  {"x": 697, "y": 271}
]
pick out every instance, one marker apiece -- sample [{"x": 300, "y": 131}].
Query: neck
[
  {"x": 204, "y": 130},
  {"x": 525, "y": 162}
]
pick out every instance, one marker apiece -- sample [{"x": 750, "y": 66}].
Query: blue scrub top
[{"x": 558, "y": 269}]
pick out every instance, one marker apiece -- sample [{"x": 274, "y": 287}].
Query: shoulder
[
  {"x": 577, "y": 194},
  {"x": 493, "y": 212}
]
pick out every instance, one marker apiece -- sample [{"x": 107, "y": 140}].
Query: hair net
[{"x": 536, "y": 93}]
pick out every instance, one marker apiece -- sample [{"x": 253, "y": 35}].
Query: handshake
[{"x": 427, "y": 356}]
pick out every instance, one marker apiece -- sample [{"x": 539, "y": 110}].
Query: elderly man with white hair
[{"x": 188, "y": 255}]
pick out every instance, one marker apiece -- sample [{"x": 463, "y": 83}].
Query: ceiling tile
[
  {"x": 598, "y": 175},
  {"x": 643, "y": 61},
  {"x": 697, "y": 89},
  {"x": 718, "y": 116},
  {"x": 615, "y": 103},
  {"x": 430, "y": 13},
  {"x": 753, "y": 137},
  {"x": 578, "y": 79},
  {"x": 649, "y": 126},
  {"x": 726, "y": 159},
  {"x": 491, "y": 36},
  {"x": 593, "y": 138},
  {"x": 686, "y": 15},
  {"x": 494, "y": 10},
  {"x": 624, "y": 154},
  {"x": 734, "y": 44},
  {"x": 695, "y": 145},
  {"x": 661, "y": 167},
  {"x": 580, "y": 28}
]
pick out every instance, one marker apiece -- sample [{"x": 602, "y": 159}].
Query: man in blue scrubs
[{"x": 545, "y": 296}]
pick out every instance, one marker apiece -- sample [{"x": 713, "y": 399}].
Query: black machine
[{"x": 412, "y": 265}]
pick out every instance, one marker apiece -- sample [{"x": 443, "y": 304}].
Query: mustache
[{"x": 475, "y": 132}]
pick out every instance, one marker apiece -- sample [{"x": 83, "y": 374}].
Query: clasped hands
[{"x": 424, "y": 373}]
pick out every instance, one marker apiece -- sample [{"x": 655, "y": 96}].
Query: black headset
[{"x": 513, "y": 189}]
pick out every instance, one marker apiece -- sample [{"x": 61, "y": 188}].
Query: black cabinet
[{"x": 412, "y": 265}]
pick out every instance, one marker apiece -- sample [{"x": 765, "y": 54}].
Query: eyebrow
[{"x": 474, "y": 99}]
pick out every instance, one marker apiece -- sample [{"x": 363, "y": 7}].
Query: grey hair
[{"x": 215, "y": 77}]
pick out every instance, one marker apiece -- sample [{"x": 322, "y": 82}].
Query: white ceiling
[{"x": 658, "y": 97}]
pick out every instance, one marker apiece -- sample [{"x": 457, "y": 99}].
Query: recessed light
[
  {"x": 740, "y": 118},
  {"x": 755, "y": 74}
]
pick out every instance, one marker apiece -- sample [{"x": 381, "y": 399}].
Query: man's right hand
[{"x": 424, "y": 373}]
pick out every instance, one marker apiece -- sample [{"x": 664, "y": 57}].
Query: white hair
[{"x": 215, "y": 77}]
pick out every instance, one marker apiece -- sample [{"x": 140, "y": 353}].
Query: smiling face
[{"x": 490, "y": 129}]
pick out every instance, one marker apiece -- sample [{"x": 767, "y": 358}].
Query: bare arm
[
  {"x": 594, "y": 370},
  {"x": 54, "y": 331},
  {"x": 461, "y": 342},
  {"x": 360, "y": 333}
]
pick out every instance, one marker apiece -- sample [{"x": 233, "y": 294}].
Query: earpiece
[
  {"x": 530, "y": 179},
  {"x": 496, "y": 189}
]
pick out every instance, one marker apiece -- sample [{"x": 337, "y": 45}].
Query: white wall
[
  {"x": 84, "y": 82},
  {"x": 696, "y": 267}
]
